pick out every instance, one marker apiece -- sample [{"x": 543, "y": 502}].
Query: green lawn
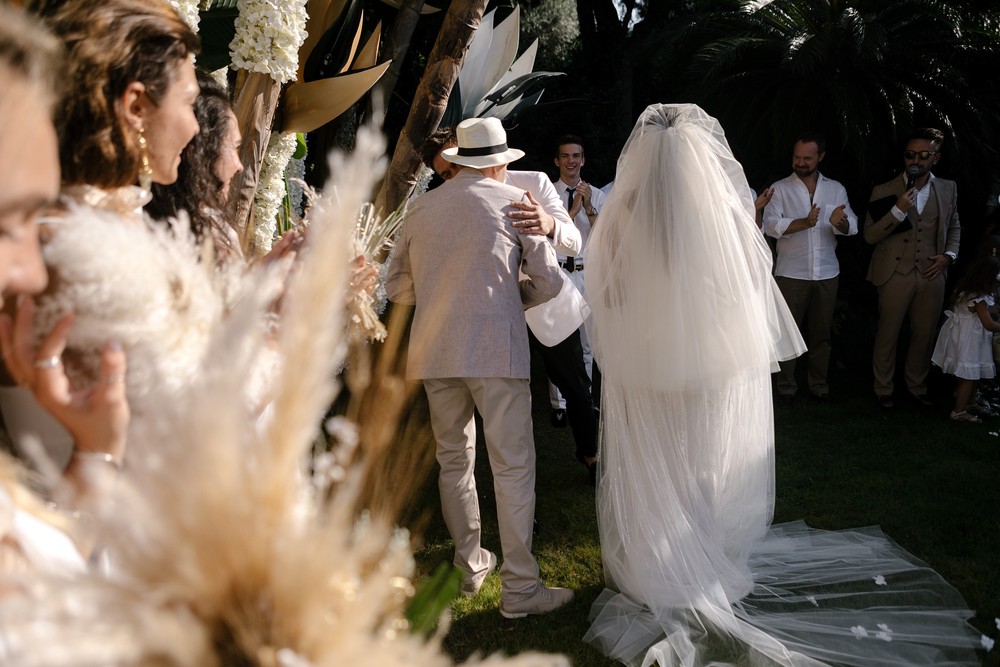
[{"x": 930, "y": 483}]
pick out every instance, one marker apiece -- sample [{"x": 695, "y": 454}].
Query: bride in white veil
[{"x": 687, "y": 326}]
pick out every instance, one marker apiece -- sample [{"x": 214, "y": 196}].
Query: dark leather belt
[{"x": 571, "y": 266}]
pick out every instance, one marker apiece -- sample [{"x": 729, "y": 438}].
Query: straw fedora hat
[{"x": 482, "y": 142}]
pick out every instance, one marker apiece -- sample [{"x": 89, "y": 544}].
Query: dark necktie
[{"x": 570, "y": 261}]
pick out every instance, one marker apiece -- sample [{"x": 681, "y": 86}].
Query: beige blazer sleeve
[{"x": 542, "y": 275}]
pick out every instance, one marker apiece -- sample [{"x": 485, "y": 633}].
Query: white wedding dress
[{"x": 687, "y": 326}]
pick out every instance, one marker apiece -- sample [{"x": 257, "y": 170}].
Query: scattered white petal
[
  {"x": 997, "y": 622},
  {"x": 813, "y": 600},
  {"x": 994, "y": 433},
  {"x": 879, "y": 580},
  {"x": 884, "y": 628},
  {"x": 884, "y": 636},
  {"x": 859, "y": 632},
  {"x": 987, "y": 643}
]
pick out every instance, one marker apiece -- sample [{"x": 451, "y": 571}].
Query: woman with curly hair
[
  {"x": 124, "y": 116},
  {"x": 208, "y": 165}
]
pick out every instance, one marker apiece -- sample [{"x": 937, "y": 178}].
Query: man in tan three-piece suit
[
  {"x": 913, "y": 223},
  {"x": 458, "y": 260}
]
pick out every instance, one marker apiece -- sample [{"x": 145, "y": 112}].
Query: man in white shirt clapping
[{"x": 806, "y": 214}]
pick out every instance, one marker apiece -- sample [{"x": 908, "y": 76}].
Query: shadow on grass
[{"x": 931, "y": 485}]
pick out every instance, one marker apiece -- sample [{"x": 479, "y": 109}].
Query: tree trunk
[
  {"x": 255, "y": 99},
  {"x": 396, "y": 45},
  {"x": 430, "y": 100}
]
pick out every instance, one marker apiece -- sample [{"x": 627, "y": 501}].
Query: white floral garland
[
  {"x": 271, "y": 189},
  {"x": 269, "y": 34},
  {"x": 188, "y": 10}
]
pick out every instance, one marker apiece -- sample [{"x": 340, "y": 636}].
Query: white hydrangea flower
[
  {"x": 987, "y": 642},
  {"x": 269, "y": 36},
  {"x": 859, "y": 632},
  {"x": 271, "y": 189},
  {"x": 879, "y": 580},
  {"x": 188, "y": 10}
]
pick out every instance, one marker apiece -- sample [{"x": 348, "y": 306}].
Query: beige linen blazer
[
  {"x": 889, "y": 246},
  {"x": 457, "y": 261}
]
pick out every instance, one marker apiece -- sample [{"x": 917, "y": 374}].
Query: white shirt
[
  {"x": 810, "y": 254},
  {"x": 582, "y": 221}
]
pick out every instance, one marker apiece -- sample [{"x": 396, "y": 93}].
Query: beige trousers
[
  {"x": 922, "y": 300},
  {"x": 505, "y": 405}
]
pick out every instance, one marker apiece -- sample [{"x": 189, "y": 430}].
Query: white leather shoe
[{"x": 543, "y": 601}]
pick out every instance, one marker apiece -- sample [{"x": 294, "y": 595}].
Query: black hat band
[{"x": 486, "y": 150}]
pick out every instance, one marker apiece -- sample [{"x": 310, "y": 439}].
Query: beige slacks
[
  {"x": 505, "y": 405},
  {"x": 922, "y": 300}
]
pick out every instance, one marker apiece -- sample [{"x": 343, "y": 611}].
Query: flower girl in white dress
[{"x": 965, "y": 343}]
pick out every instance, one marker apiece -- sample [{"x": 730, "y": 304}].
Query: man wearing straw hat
[
  {"x": 458, "y": 260},
  {"x": 554, "y": 327}
]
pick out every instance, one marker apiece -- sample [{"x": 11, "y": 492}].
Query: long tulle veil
[{"x": 687, "y": 326}]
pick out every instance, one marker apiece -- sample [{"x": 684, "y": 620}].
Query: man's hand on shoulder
[{"x": 528, "y": 217}]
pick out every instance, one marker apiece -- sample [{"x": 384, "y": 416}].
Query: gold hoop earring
[{"x": 145, "y": 171}]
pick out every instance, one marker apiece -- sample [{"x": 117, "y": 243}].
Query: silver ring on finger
[{"x": 48, "y": 362}]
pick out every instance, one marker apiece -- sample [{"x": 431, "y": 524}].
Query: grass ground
[{"x": 933, "y": 485}]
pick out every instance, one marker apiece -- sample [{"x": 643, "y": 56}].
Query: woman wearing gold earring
[
  {"x": 123, "y": 120},
  {"x": 126, "y": 112},
  {"x": 145, "y": 171}
]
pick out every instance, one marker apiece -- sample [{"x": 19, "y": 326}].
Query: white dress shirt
[
  {"x": 809, "y": 254},
  {"x": 582, "y": 221},
  {"x": 557, "y": 318}
]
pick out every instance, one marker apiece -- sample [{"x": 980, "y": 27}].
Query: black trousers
[{"x": 565, "y": 368}]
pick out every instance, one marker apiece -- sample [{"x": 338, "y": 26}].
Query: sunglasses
[{"x": 923, "y": 155}]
